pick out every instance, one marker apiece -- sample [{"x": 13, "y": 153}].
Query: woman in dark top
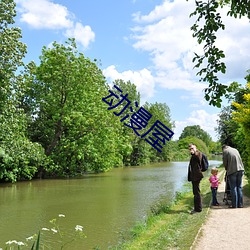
[{"x": 195, "y": 175}]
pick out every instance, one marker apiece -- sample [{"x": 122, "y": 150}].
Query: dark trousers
[
  {"x": 197, "y": 196},
  {"x": 214, "y": 196}
]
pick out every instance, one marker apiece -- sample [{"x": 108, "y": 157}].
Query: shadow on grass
[{"x": 183, "y": 204}]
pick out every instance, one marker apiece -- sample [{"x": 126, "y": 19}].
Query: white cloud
[
  {"x": 234, "y": 41},
  {"x": 165, "y": 33},
  {"x": 143, "y": 80},
  {"x": 83, "y": 34},
  {"x": 44, "y": 14},
  {"x": 198, "y": 117}
]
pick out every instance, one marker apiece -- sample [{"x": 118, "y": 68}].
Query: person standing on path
[
  {"x": 195, "y": 175},
  {"x": 235, "y": 169},
  {"x": 214, "y": 186}
]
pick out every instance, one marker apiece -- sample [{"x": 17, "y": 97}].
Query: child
[{"x": 214, "y": 185}]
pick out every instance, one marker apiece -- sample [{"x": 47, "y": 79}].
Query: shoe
[
  {"x": 231, "y": 207},
  {"x": 217, "y": 204},
  {"x": 194, "y": 212}
]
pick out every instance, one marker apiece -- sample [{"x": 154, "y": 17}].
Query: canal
[{"x": 105, "y": 204}]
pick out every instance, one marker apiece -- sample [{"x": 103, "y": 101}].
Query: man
[
  {"x": 235, "y": 170},
  {"x": 195, "y": 175}
]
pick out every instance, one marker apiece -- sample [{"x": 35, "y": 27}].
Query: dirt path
[{"x": 225, "y": 228}]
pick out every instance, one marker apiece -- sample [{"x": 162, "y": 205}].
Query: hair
[
  {"x": 191, "y": 144},
  {"x": 214, "y": 170},
  {"x": 224, "y": 146}
]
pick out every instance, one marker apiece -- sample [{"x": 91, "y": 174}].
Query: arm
[
  {"x": 213, "y": 179},
  {"x": 224, "y": 159}
]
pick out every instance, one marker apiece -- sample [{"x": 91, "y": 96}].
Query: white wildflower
[
  {"x": 29, "y": 238},
  {"x": 45, "y": 229},
  {"x": 78, "y": 228},
  {"x": 20, "y": 243},
  {"x": 10, "y": 242},
  {"x": 54, "y": 230},
  {"x": 61, "y": 215}
]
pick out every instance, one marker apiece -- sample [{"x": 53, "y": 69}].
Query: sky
[{"x": 147, "y": 42}]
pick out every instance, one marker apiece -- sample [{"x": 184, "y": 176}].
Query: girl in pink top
[{"x": 214, "y": 186}]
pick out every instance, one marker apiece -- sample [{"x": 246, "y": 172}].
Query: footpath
[{"x": 225, "y": 228}]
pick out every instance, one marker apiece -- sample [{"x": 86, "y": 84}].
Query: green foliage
[
  {"x": 36, "y": 243},
  {"x": 161, "y": 112},
  {"x": 233, "y": 123},
  {"x": 238, "y": 8},
  {"x": 201, "y": 146},
  {"x": 242, "y": 117},
  {"x": 196, "y": 131},
  {"x": 52, "y": 117},
  {"x": 215, "y": 147},
  {"x": 227, "y": 127},
  {"x": 12, "y": 50},
  {"x": 20, "y": 158},
  {"x": 136, "y": 154},
  {"x": 205, "y": 28},
  {"x": 68, "y": 116}
]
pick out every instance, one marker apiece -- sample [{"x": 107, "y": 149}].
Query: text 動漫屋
[{"x": 139, "y": 119}]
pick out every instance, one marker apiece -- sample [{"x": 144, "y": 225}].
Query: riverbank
[{"x": 171, "y": 227}]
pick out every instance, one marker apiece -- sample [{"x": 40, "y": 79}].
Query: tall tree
[
  {"x": 160, "y": 112},
  {"x": 19, "y": 158},
  {"x": 196, "y": 131},
  {"x": 12, "y": 51},
  {"x": 131, "y": 142},
  {"x": 68, "y": 115},
  {"x": 184, "y": 142},
  {"x": 227, "y": 127},
  {"x": 241, "y": 115},
  {"x": 208, "y": 23}
]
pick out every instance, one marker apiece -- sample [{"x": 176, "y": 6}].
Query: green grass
[
  {"x": 246, "y": 187},
  {"x": 170, "y": 226}
]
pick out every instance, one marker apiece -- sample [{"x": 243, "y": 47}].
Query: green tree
[
  {"x": 196, "y": 131},
  {"x": 207, "y": 25},
  {"x": 183, "y": 144},
  {"x": 68, "y": 116},
  {"x": 242, "y": 117},
  {"x": 215, "y": 147},
  {"x": 161, "y": 112},
  {"x": 12, "y": 50},
  {"x": 130, "y": 141},
  {"x": 227, "y": 127},
  {"x": 20, "y": 158}
]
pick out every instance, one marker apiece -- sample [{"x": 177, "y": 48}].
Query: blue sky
[{"x": 148, "y": 42}]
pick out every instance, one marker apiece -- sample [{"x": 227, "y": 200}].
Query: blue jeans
[
  {"x": 214, "y": 196},
  {"x": 235, "y": 182}
]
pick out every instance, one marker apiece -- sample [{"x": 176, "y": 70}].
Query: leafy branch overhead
[{"x": 205, "y": 28}]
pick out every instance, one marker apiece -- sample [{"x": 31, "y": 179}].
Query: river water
[{"x": 104, "y": 204}]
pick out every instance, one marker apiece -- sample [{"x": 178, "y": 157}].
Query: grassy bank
[{"x": 170, "y": 227}]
